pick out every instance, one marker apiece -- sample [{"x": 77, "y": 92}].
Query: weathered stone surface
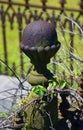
[
  {"x": 39, "y": 34},
  {"x": 40, "y": 43},
  {"x": 10, "y": 92}
]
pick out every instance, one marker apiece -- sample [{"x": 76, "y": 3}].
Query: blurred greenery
[{"x": 13, "y": 35}]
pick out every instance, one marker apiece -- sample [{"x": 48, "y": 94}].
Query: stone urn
[{"x": 40, "y": 43}]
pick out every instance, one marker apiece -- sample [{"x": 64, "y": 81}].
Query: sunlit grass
[{"x": 13, "y": 35}]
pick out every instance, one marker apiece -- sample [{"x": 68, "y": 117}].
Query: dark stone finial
[{"x": 40, "y": 43}]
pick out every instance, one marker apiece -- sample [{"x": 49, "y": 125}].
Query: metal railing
[{"x": 23, "y": 13}]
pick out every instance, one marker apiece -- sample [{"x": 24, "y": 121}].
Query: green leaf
[
  {"x": 76, "y": 72},
  {"x": 27, "y": 126},
  {"x": 39, "y": 90},
  {"x": 5, "y": 115},
  {"x": 62, "y": 84},
  {"x": 52, "y": 83}
]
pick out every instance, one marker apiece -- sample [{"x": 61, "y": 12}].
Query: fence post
[
  {"x": 4, "y": 39},
  {"x": 44, "y": 4},
  {"x": 19, "y": 20},
  {"x": 81, "y": 4}
]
